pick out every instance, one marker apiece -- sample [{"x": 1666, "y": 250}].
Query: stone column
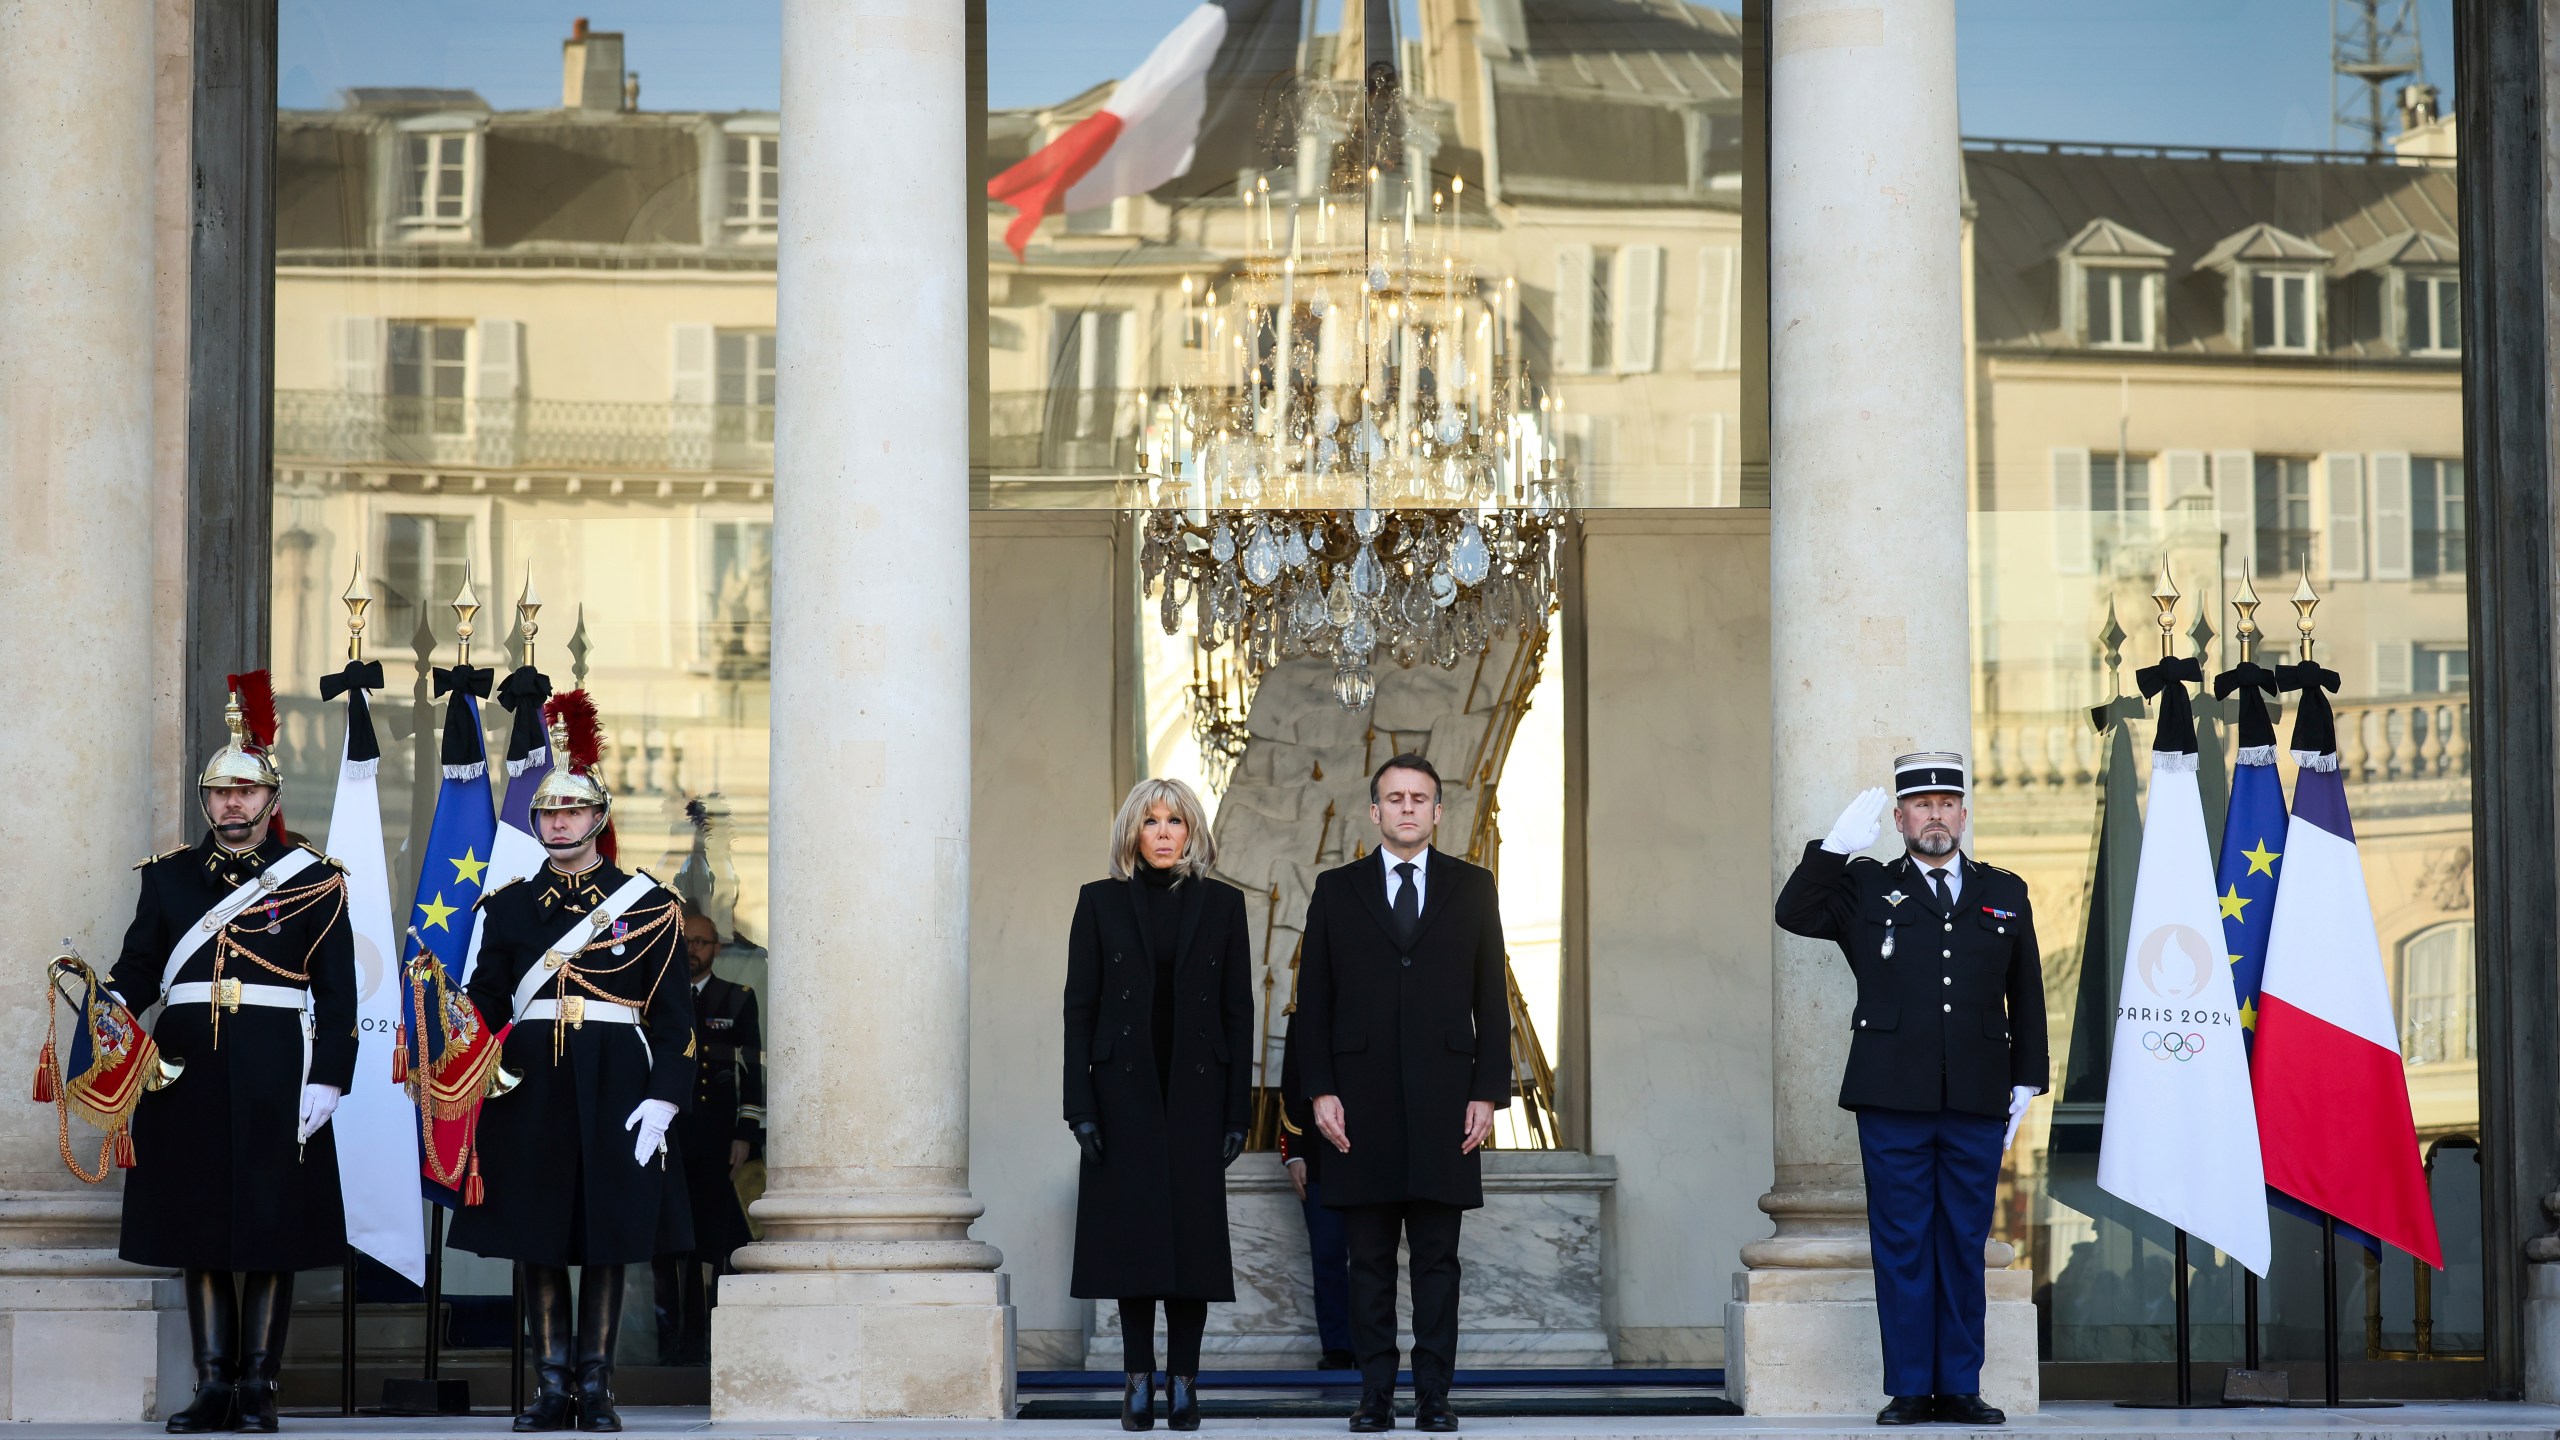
[
  {"x": 1868, "y": 634},
  {"x": 867, "y": 1297},
  {"x": 78, "y": 1335}
]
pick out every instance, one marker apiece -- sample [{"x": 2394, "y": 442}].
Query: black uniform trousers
[
  {"x": 1931, "y": 1177},
  {"x": 1430, "y": 1232}
]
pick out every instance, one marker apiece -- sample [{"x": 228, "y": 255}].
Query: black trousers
[
  {"x": 1185, "y": 1321},
  {"x": 1430, "y": 1231}
]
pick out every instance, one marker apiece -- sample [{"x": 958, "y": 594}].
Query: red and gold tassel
[
  {"x": 124, "y": 1148},
  {"x": 400, "y": 1057},
  {"x": 472, "y": 1190},
  {"x": 44, "y": 1075}
]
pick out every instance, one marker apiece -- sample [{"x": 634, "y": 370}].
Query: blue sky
[{"x": 2228, "y": 72}]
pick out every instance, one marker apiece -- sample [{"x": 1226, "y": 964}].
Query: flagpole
[{"x": 2328, "y": 1295}]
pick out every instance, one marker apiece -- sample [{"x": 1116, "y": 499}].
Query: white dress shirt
[{"x": 1421, "y": 863}]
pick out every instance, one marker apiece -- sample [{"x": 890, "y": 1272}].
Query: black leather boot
[
  {"x": 1138, "y": 1400},
  {"x": 1182, "y": 1402},
  {"x": 266, "y": 1308},
  {"x": 599, "y": 1323},
  {"x": 213, "y": 1328},
  {"x": 547, "y": 1321},
  {"x": 666, "y": 1300}
]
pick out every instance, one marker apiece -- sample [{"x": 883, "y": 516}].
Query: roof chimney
[{"x": 591, "y": 69}]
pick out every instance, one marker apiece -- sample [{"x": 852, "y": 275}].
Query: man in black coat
[
  {"x": 1407, "y": 1054},
  {"x": 716, "y": 1135},
  {"x": 240, "y": 944},
  {"x": 583, "y": 961},
  {"x": 1946, "y": 1048}
]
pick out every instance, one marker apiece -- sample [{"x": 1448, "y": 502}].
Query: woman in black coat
[{"x": 1159, "y": 1055}]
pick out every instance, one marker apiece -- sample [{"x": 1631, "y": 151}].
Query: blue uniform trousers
[
  {"x": 1931, "y": 1181},
  {"x": 1329, "y": 1246}
]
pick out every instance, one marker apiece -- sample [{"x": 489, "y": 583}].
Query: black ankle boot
[
  {"x": 213, "y": 1329},
  {"x": 1138, "y": 1400},
  {"x": 1182, "y": 1402},
  {"x": 266, "y": 1307},
  {"x": 547, "y": 1322},
  {"x": 599, "y": 1322}
]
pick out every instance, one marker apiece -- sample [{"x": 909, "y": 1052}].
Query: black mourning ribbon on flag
[
  {"x": 523, "y": 693},
  {"x": 359, "y": 675},
  {"x": 2315, "y": 727},
  {"x": 463, "y": 744},
  {"x": 2176, "y": 732},
  {"x": 2253, "y": 681}
]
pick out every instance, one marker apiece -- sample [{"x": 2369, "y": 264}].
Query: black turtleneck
[{"x": 1159, "y": 915}]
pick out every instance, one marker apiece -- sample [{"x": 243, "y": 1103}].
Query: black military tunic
[
  {"x": 218, "y": 1181},
  {"x": 560, "y": 1185},
  {"x": 1954, "y": 1016},
  {"x": 728, "y": 1106}
]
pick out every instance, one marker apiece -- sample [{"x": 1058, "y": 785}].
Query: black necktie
[
  {"x": 1938, "y": 882},
  {"x": 1408, "y": 906}
]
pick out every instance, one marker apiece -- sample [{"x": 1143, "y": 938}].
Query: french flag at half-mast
[
  {"x": 1197, "y": 98},
  {"x": 2333, "y": 1099}
]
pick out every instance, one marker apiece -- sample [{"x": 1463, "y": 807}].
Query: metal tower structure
[{"x": 2373, "y": 44}]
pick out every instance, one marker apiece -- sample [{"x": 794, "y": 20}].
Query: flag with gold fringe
[{"x": 101, "y": 1074}]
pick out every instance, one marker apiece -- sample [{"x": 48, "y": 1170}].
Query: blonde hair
[{"x": 1197, "y": 848}]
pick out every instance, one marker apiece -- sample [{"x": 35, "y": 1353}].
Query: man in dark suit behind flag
[{"x": 1406, "y": 1054}]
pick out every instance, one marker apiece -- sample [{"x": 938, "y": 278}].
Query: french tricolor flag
[
  {"x": 2333, "y": 1099},
  {"x": 1211, "y": 77}
]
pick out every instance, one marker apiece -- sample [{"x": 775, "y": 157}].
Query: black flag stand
[
  {"x": 2329, "y": 1399},
  {"x": 2186, "y": 1391}
]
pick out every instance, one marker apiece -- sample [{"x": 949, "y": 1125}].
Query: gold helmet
[
  {"x": 567, "y": 787},
  {"x": 241, "y": 762}
]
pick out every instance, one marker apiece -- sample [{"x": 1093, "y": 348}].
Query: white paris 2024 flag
[
  {"x": 2181, "y": 1137},
  {"x": 377, "y": 1124}
]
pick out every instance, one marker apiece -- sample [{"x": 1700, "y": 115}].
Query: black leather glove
[
  {"x": 1235, "y": 1147},
  {"x": 1089, "y": 1139}
]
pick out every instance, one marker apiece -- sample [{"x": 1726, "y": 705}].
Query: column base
[
  {"x": 2542, "y": 1333},
  {"x": 77, "y": 1348},
  {"x": 1804, "y": 1342},
  {"x": 862, "y": 1345}
]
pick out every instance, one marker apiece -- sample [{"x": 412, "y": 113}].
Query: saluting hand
[
  {"x": 1859, "y": 825},
  {"x": 1329, "y": 1122},
  {"x": 1479, "y": 1126}
]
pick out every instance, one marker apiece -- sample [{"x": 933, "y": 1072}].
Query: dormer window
[
  {"x": 2111, "y": 292},
  {"x": 752, "y": 159},
  {"x": 2273, "y": 290},
  {"x": 439, "y": 177},
  {"x": 2434, "y": 312},
  {"x": 2283, "y": 314}
]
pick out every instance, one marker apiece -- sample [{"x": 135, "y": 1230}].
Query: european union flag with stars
[
  {"x": 462, "y": 834},
  {"x": 2253, "y": 832}
]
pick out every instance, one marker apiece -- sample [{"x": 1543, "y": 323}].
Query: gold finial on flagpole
[
  {"x": 2165, "y": 595},
  {"x": 355, "y": 600},
  {"x": 466, "y": 608},
  {"x": 2304, "y": 602},
  {"x": 2246, "y": 602},
  {"x": 528, "y": 605}
]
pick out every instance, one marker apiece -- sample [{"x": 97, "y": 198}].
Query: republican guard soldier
[
  {"x": 583, "y": 960},
  {"x": 242, "y": 964},
  {"x": 716, "y": 1135},
  {"x": 1946, "y": 1048}
]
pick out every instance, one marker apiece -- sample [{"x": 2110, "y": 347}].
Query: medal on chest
[{"x": 620, "y": 929}]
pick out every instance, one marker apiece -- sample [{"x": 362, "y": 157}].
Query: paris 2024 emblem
[{"x": 2176, "y": 967}]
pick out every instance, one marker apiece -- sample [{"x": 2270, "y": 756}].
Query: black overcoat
[
  {"x": 218, "y": 1182},
  {"x": 555, "y": 1161},
  {"x": 728, "y": 1106},
  {"x": 1404, "y": 1035},
  {"x": 1955, "y": 1016},
  {"x": 1151, "y": 1219}
]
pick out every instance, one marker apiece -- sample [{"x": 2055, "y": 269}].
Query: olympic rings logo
[{"x": 2173, "y": 1045}]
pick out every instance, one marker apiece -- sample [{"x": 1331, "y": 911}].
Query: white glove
[
  {"x": 319, "y": 1102},
  {"x": 652, "y": 1118},
  {"x": 1859, "y": 825},
  {"x": 2020, "y": 1096}
]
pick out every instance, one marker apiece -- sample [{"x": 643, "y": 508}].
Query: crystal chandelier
[{"x": 1355, "y": 459}]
